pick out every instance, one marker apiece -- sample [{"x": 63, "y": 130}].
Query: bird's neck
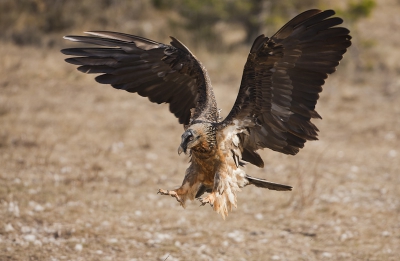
[
  {"x": 204, "y": 150},
  {"x": 200, "y": 153}
]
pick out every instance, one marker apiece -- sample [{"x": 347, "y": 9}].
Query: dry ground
[{"x": 81, "y": 164}]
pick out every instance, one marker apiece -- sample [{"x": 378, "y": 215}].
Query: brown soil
[{"x": 81, "y": 164}]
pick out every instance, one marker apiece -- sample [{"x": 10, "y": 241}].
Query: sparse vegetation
[
  {"x": 80, "y": 163},
  {"x": 359, "y": 9}
]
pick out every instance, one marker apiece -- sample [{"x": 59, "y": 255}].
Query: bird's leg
[
  {"x": 181, "y": 194},
  {"x": 187, "y": 190},
  {"x": 210, "y": 198},
  {"x": 172, "y": 193}
]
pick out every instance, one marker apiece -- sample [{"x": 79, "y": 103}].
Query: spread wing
[
  {"x": 281, "y": 82},
  {"x": 163, "y": 73}
]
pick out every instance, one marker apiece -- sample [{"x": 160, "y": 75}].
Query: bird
[{"x": 279, "y": 89}]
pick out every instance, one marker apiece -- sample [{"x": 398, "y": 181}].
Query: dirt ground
[{"x": 81, "y": 164}]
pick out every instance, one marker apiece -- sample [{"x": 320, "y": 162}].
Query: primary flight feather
[{"x": 281, "y": 82}]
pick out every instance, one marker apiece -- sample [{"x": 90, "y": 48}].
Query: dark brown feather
[
  {"x": 163, "y": 73},
  {"x": 281, "y": 82},
  {"x": 262, "y": 183}
]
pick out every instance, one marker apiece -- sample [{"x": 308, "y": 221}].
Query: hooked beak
[
  {"x": 184, "y": 143},
  {"x": 182, "y": 149}
]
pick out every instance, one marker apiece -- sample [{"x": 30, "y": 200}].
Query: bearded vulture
[{"x": 280, "y": 86}]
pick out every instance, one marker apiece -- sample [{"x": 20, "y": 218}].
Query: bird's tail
[{"x": 262, "y": 183}]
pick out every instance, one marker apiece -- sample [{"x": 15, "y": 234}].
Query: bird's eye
[{"x": 190, "y": 138}]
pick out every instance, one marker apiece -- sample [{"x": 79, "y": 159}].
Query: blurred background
[{"x": 80, "y": 163}]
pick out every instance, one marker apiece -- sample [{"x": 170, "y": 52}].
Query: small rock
[
  {"x": 37, "y": 243},
  {"x": 113, "y": 240},
  {"x": 326, "y": 255},
  {"x": 13, "y": 208},
  {"x": 25, "y": 229},
  {"x": 390, "y": 136},
  {"x": 151, "y": 156},
  {"x": 236, "y": 236},
  {"x": 105, "y": 223},
  {"x": 8, "y": 228},
  {"x": 78, "y": 247},
  {"x": 116, "y": 147},
  {"x": 354, "y": 169},
  {"x": 65, "y": 170},
  {"x": 392, "y": 153},
  {"x": 32, "y": 191},
  {"x": 259, "y": 216},
  {"x": 162, "y": 236},
  {"x": 128, "y": 164},
  {"x": 38, "y": 208},
  {"x": 30, "y": 238}
]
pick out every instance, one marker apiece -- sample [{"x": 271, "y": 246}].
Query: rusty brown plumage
[{"x": 281, "y": 82}]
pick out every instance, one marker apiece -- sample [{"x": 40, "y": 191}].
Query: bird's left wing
[
  {"x": 281, "y": 82},
  {"x": 163, "y": 73}
]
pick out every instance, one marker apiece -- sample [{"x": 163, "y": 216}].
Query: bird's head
[
  {"x": 190, "y": 138},
  {"x": 195, "y": 137}
]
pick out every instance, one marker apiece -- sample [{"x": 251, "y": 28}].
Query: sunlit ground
[{"x": 81, "y": 164}]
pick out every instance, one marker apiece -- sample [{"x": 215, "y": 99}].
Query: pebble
[
  {"x": 78, "y": 247},
  {"x": 30, "y": 238},
  {"x": 259, "y": 216},
  {"x": 8, "y": 228}
]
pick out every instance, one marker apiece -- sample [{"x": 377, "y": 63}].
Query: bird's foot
[
  {"x": 209, "y": 199},
  {"x": 172, "y": 193}
]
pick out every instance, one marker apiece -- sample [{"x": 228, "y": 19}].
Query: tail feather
[{"x": 262, "y": 183}]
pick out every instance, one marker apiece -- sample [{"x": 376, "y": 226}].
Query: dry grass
[{"x": 81, "y": 164}]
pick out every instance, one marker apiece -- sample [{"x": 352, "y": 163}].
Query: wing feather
[
  {"x": 281, "y": 82},
  {"x": 163, "y": 73}
]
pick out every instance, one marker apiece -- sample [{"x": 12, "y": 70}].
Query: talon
[
  {"x": 209, "y": 199},
  {"x": 171, "y": 193},
  {"x": 178, "y": 199},
  {"x": 201, "y": 201},
  {"x": 163, "y": 192}
]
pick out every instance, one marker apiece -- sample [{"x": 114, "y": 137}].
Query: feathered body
[
  {"x": 212, "y": 169},
  {"x": 281, "y": 82}
]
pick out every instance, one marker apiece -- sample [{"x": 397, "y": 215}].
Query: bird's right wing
[
  {"x": 163, "y": 73},
  {"x": 281, "y": 82}
]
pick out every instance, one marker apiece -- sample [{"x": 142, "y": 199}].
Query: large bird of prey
[{"x": 281, "y": 82}]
